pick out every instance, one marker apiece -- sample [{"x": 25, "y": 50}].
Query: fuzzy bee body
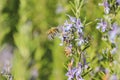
[{"x": 52, "y": 33}]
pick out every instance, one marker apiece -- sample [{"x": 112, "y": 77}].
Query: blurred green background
[{"x": 23, "y": 39}]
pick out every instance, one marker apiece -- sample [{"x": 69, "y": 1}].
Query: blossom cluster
[
  {"x": 72, "y": 36},
  {"x": 106, "y": 24},
  {"x": 74, "y": 72},
  {"x": 108, "y": 7},
  {"x": 110, "y": 27},
  {"x": 71, "y": 30}
]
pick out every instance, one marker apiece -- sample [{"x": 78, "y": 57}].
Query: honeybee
[{"x": 52, "y": 32}]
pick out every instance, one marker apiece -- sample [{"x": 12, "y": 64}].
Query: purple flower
[
  {"x": 118, "y": 1},
  {"x": 113, "y": 33},
  {"x": 106, "y": 6},
  {"x": 75, "y": 72},
  {"x": 79, "y": 78},
  {"x": 79, "y": 26},
  {"x": 80, "y": 41},
  {"x": 63, "y": 36},
  {"x": 102, "y": 25},
  {"x": 67, "y": 26},
  {"x": 71, "y": 73},
  {"x": 78, "y": 71},
  {"x": 113, "y": 77},
  {"x": 78, "y": 23},
  {"x": 70, "y": 27}
]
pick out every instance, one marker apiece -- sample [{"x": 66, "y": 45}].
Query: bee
[{"x": 52, "y": 32}]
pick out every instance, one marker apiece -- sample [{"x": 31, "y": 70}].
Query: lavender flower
[
  {"x": 71, "y": 33},
  {"x": 75, "y": 72},
  {"x": 71, "y": 73},
  {"x": 63, "y": 35},
  {"x": 113, "y": 77},
  {"x": 79, "y": 26},
  {"x": 78, "y": 23},
  {"x": 79, "y": 71},
  {"x": 118, "y": 1},
  {"x": 114, "y": 32},
  {"x": 80, "y": 41},
  {"x": 102, "y": 25},
  {"x": 67, "y": 26},
  {"x": 70, "y": 27},
  {"x": 106, "y": 6},
  {"x": 80, "y": 78}
]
